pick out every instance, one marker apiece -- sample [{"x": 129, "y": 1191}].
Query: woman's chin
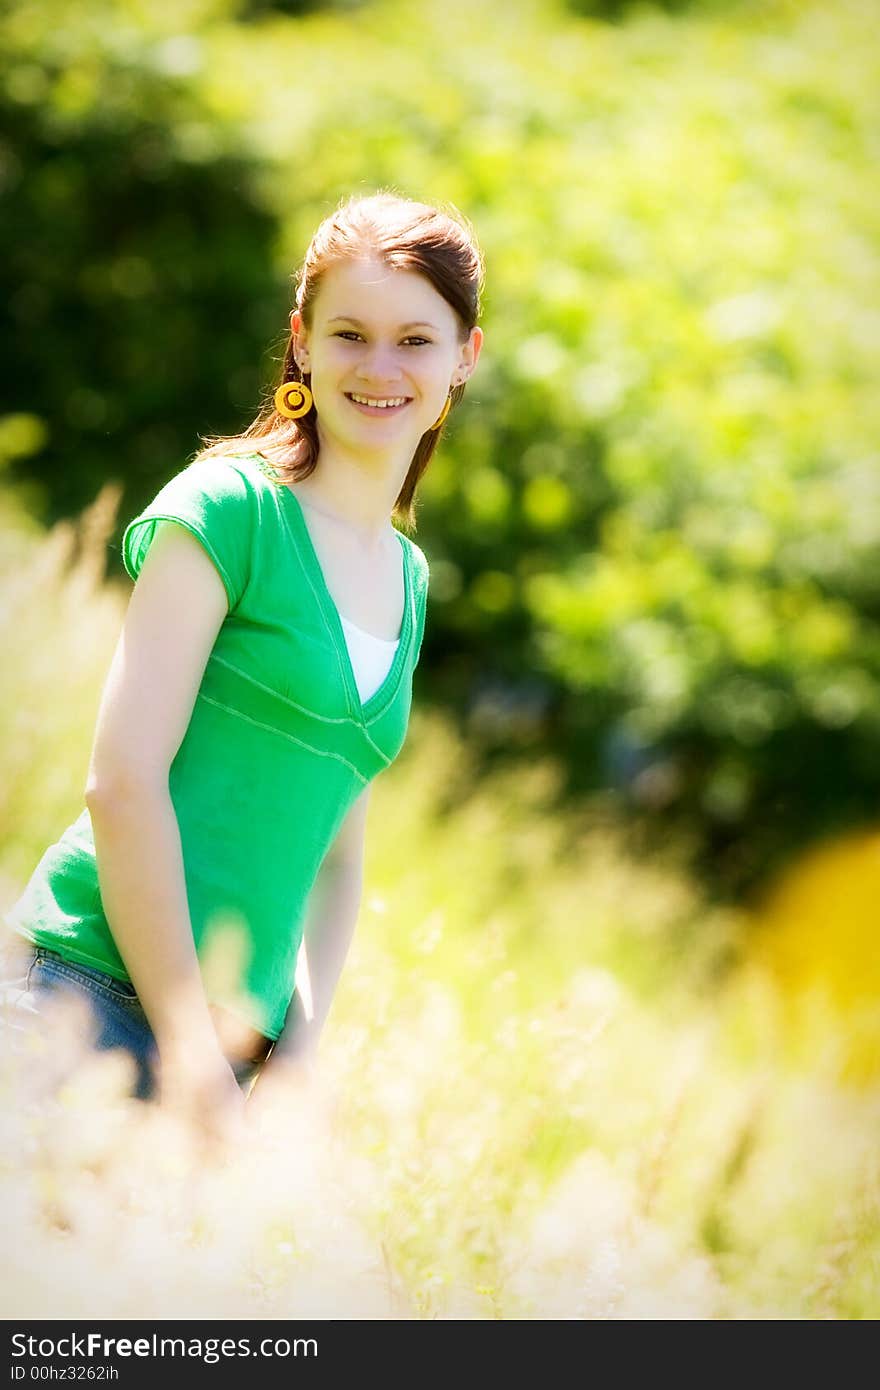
[{"x": 380, "y": 436}]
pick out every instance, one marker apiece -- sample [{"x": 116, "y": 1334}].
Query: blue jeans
[{"x": 117, "y": 1017}]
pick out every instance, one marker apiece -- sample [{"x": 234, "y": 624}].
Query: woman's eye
[{"x": 351, "y": 335}]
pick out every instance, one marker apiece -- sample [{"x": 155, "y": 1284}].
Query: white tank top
[{"x": 371, "y": 657}]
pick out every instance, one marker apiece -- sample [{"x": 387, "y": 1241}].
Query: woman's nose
[{"x": 379, "y": 363}]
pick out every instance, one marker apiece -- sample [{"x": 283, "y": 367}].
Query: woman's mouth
[{"x": 377, "y": 405}]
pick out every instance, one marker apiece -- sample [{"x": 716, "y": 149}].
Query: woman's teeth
[{"x": 381, "y": 404}]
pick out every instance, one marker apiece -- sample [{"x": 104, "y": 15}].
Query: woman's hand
[
  {"x": 285, "y": 1084},
  {"x": 199, "y": 1086}
]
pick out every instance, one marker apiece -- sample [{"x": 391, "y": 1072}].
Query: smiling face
[{"x": 383, "y": 350}]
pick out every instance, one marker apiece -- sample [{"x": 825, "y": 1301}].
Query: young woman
[{"x": 261, "y": 680}]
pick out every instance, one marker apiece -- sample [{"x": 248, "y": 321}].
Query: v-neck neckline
[{"x": 363, "y": 709}]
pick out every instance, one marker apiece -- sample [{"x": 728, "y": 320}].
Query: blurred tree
[
  {"x": 139, "y": 288},
  {"x": 260, "y": 9},
  {"x": 618, "y": 11}
]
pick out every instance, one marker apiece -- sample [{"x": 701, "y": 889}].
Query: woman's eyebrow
[{"x": 349, "y": 318}]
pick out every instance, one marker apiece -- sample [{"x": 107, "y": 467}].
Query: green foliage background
[{"x": 654, "y": 526}]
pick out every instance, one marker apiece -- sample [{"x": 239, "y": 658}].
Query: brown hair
[{"x": 405, "y": 235}]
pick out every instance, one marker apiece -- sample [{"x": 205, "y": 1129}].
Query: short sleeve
[{"x": 214, "y": 501}]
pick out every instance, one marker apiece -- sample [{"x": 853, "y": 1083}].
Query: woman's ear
[
  {"x": 300, "y": 335},
  {"x": 471, "y": 350}
]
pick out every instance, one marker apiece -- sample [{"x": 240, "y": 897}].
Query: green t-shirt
[{"x": 278, "y": 747}]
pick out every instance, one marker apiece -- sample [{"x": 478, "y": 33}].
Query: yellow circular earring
[
  {"x": 293, "y": 399},
  {"x": 443, "y": 413}
]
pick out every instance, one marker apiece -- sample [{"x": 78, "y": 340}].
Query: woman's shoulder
[
  {"x": 420, "y": 565},
  {"x": 243, "y": 476},
  {"x": 248, "y": 465},
  {"x": 219, "y": 475}
]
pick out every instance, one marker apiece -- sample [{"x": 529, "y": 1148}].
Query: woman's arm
[
  {"x": 176, "y": 609},
  {"x": 332, "y": 913}
]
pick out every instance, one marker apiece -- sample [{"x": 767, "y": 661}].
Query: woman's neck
[{"x": 358, "y": 493}]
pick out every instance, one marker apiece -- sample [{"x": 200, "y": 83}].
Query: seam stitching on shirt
[
  {"x": 412, "y": 629},
  {"x": 360, "y": 720},
  {"x": 326, "y": 718},
  {"x": 153, "y": 517},
  {"x": 245, "y": 675},
  {"x": 386, "y": 760},
  {"x": 302, "y": 565},
  {"x": 270, "y": 728}
]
